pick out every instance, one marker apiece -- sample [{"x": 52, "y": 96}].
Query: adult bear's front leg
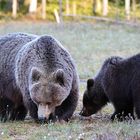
[
  {"x": 18, "y": 113},
  {"x": 31, "y": 107}
]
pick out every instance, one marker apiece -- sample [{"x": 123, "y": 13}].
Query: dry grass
[{"x": 89, "y": 45}]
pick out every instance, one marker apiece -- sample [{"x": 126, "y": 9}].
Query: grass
[{"x": 89, "y": 44}]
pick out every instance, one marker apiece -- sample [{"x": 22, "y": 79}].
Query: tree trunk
[
  {"x": 134, "y": 9},
  {"x": 134, "y": 5},
  {"x": 43, "y": 9},
  {"x": 74, "y": 8},
  {"x": 97, "y": 7},
  {"x": 33, "y": 6},
  {"x": 14, "y": 9},
  {"x": 67, "y": 7},
  {"x": 127, "y": 9},
  {"x": 105, "y": 7},
  {"x": 60, "y": 10}
]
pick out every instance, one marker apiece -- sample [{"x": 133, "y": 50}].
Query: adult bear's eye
[
  {"x": 41, "y": 104},
  {"x": 48, "y": 103}
]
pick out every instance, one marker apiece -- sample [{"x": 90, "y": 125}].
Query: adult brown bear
[
  {"x": 37, "y": 75},
  {"x": 118, "y": 82}
]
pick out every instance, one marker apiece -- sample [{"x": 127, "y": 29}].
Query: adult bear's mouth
[{"x": 44, "y": 112}]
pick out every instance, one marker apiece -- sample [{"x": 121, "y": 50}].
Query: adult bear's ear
[
  {"x": 90, "y": 83},
  {"x": 59, "y": 76},
  {"x": 35, "y": 75}
]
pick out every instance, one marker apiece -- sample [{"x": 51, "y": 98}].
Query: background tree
[
  {"x": 14, "y": 8},
  {"x": 127, "y": 9},
  {"x": 33, "y": 6},
  {"x": 97, "y": 7},
  {"x": 43, "y": 9},
  {"x": 105, "y": 7}
]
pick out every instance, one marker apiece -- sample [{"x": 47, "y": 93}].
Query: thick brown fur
[
  {"x": 33, "y": 65},
  {"x": 118, "y": 82}
]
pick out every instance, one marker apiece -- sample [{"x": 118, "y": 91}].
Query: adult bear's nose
[{"x": 42, "y": 119}]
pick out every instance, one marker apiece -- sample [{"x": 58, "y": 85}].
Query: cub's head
[
  {"x": 93, "y": 99},
  {"x": 47, "y": 92}
]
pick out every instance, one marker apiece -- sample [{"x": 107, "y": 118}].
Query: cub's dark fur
[{"x": 118, "y": 82}]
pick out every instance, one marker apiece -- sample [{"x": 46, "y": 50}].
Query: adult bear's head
[{"x": 47, "y": 91}]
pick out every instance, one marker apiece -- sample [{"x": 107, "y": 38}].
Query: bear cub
[{"x": 118, "y": 82}]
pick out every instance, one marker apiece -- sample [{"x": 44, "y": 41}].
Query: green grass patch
[{"x": 89, "y": 44}]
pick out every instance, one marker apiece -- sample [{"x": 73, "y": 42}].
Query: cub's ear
[
  {"x": 59, "y": 76},
  {"x": 35, "y": 74},
  {"x": 90, "y": 83}
]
